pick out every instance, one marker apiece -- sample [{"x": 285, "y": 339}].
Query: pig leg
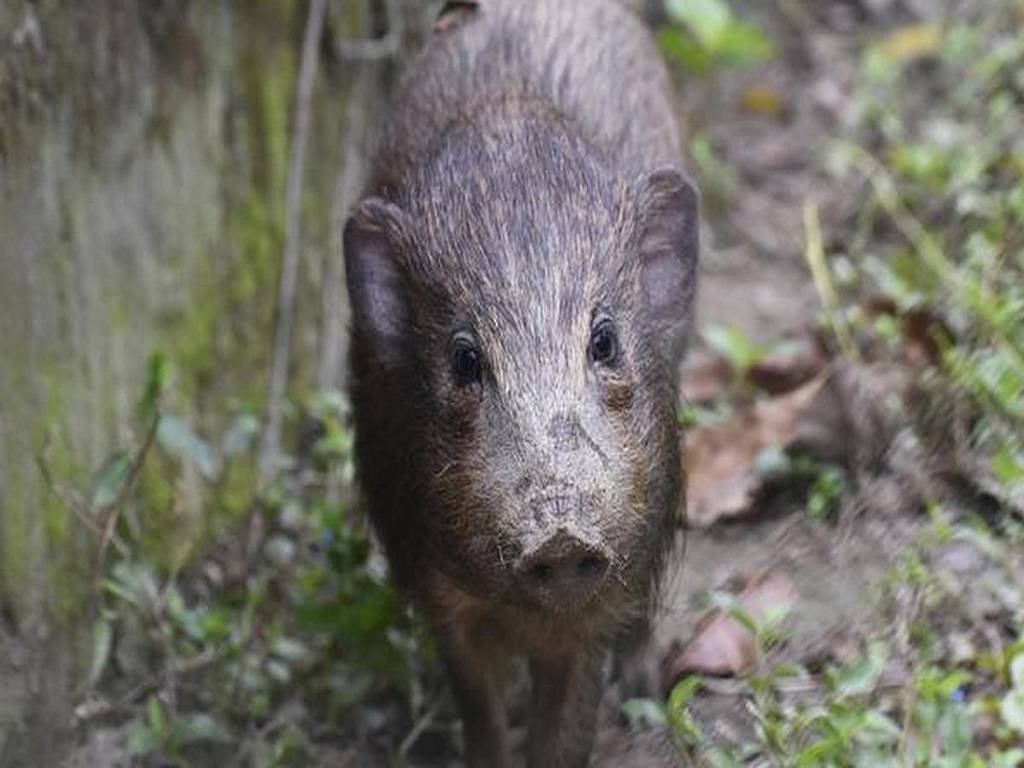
[
  {"x": 563, "y": 708},
  {"x": 635, "y": 665},
  {"x": 478, "y": 698}
]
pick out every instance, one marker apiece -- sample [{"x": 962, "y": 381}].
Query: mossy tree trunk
[{"x": 143, "y": 156}]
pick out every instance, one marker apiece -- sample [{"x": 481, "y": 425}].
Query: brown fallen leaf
[
  {"x": 762, "y": 100},
  {"x": 912, "y": 42},
  {"x": 721, "y": 645},
  {"x": 722, "y": 481},
  {"x": 792, "y": 363}
]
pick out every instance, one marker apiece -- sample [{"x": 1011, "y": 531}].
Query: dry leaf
[
  {"x": 720, "y": 459},
  {"x": 721, "y": 645},
  {"x": 762, "y": 100},
  {"x": 916, "y": 41},
  {"x": 793, "y": 363},
  {"x": 705, "y": 377}
]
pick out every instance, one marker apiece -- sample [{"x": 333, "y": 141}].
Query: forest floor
[{"x": 849, "y": 585}]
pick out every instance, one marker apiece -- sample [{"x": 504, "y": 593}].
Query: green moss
[{"x": 16, "y": 554}]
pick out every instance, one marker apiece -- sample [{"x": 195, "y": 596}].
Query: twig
[
  {"x": 290, "y": 260},
  {"x": 70, "y": 502},
  {"x": 114, "y": 508},
  {"x": 814, "y": 253},
  {"x": 346, "y": 191},
  {"x": 421, "y": 725}
]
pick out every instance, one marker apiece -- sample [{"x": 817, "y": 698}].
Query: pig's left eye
[
  {"x": 465, "y": 360},
  {"x": 604, "y": 343}
]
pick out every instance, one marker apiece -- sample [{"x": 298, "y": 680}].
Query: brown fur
[{"x": 525, "y": 192}]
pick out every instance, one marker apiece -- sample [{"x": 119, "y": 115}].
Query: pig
[{"x": 521, "y": 273}]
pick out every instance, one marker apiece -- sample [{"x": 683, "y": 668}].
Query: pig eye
[
  {"x": 604, "y": 343},
  {"x": 465, "y": 359}
]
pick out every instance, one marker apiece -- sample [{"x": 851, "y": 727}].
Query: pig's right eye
[{"x": 465, "y": 360}]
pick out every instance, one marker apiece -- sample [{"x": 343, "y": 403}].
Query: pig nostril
[
  {"x": 591, "y": 566},
  {"x": 542, "y": 572}
]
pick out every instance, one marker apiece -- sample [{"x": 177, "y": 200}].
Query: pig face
[{"x": 526, "y": 311}]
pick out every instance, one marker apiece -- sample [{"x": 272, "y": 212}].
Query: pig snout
[{"x": 563, "y": 565}]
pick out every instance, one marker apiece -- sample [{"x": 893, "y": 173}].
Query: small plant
[
  {"x": 308, "y": 616},
  {"x": 159, "y": 733},
  {"x": 707, "y": 35}
]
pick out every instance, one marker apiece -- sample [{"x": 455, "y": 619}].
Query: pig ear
[
  {"x": 668, "y": 244},
  {"x": 376, "y": 278}
]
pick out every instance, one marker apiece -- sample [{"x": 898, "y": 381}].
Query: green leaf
[
  {"x": 720, "y": 756},
  {"x": 158, "y": 376},
  {"x": 178, "y": 439},
  {"x": 1012, "y": 758},
  {"x": 879, "y": 728},
  {"x": 240, "y": 435},
  {"x": 1017, "y": 666},
  {"x": 685, "y": 52},
  {"x": 156, "y": 717},
  {"x": 109, "y": 480},
  {"x": 708, "y": 20},
  {"x": 644, "y": 712},
  {"x": 679, "y": 719},
  {"x": 193, "y": 727},
  {"x": 861, "y": 677},
  {"x": 735, "y": 346},
  {"x": 140, "y": 739},
  {"x": 683, "y": 691},
  {"x": 1008, "y": 466},
  {"x": 744, "y": 44},
  {"x": 102, "y": 639}
]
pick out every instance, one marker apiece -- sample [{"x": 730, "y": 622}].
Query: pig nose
[{"x": 563, "y": 570}]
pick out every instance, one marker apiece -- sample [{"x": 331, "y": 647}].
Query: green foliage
[
  {"x": 742, "y": 352},
  {"x": 109, "y": 480},
  {"x": 1012, "y": 706},
  {"x": 707, "y": 35},
  {"x": 309, "y": 611},
  {"x": 160, "y": 732},
  {"x": 899, "y": 703},
  {"x": 718, "y": 178},
  {"x": 944, "y": 194},
  {"x": 825, "y": 482}
]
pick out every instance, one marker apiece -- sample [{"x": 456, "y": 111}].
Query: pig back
[{"x": 589, "y": 63}]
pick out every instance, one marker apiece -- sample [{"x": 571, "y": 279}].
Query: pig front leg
[
  {"x": 478, "y": 698},
  {"x": 563, "y": 708},
  {"x": 635, "y": 665}
]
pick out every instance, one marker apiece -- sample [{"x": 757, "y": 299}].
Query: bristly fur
[{"x": 526, "y": 188}]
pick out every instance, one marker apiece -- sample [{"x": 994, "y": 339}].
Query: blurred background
[{"x": 185, "y": 578}]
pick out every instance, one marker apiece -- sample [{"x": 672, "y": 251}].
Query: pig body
[{"x": 521, "y": 273}]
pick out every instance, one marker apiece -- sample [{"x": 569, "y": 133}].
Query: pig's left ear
[
  {"x": 376, "y": 277},
  {"x": 667, "y": 241}
]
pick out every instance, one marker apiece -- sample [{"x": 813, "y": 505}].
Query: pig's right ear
[
  {"x": 668, "y": 245},
  {"x": 376, "y": 278}
]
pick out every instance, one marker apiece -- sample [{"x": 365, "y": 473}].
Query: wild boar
[{"x": 522, "y": 272}]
